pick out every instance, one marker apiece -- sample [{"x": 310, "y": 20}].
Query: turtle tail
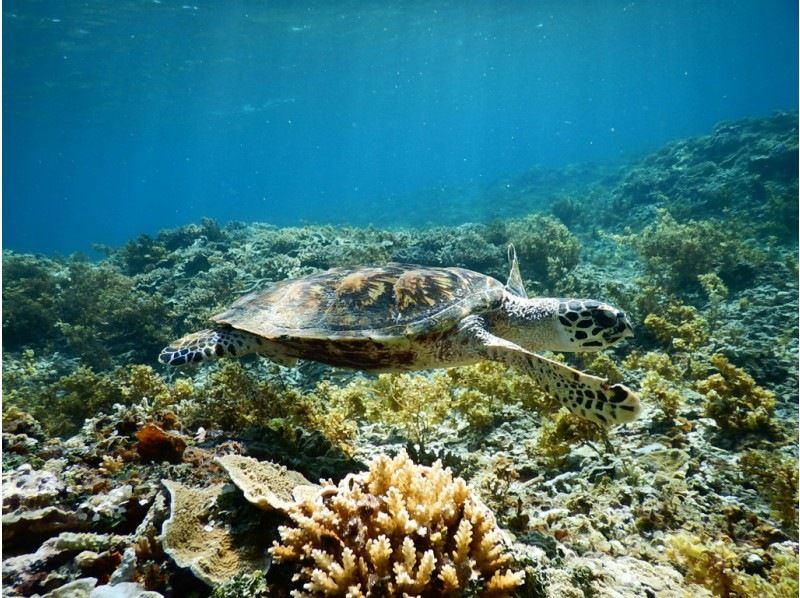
[{"x": 210, "y": 344}]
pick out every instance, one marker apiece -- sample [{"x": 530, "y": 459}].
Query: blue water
[{"x": 125, "y": 117}]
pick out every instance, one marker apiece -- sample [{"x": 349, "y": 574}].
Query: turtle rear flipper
[
  {"x": 583, "y": 394},
  {"x": 210, "y": 344}
]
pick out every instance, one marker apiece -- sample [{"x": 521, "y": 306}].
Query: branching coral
[
  {"x": 397, "y": 529},
  {"x": 735, "y": 401}
]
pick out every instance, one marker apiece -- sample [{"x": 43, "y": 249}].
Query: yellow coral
[
  {"x": 419, "y": 403},
  {"x": 776, "y": 477},
  {"x": 658, "y": 391},
  {"x": 399, "y": 528}
]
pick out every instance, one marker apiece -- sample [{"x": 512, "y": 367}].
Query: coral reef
[
  {"x": 697, "y": 242},
  {"x": 397, "y": 529},
  {"x": 157, "y": 445},
  {"x": 775, "y": 476},
  {"x": 677, "y": 254},
  {"x": 715, "y": 565}
]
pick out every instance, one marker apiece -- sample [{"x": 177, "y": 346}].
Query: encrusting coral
[{"x": 397, "y": 529}]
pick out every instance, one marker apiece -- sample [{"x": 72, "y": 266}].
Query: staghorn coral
[
  {"x": 397, "y": 529},
  {"x": 735, "y": 401}
]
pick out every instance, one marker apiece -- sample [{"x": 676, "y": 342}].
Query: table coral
[
  {"x": 265, "y": 484},
  {"x": 397, "y": 529},
  {"x": 195, "y": 539}
]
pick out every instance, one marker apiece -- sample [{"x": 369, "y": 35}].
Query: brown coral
[
  {"x": 397, "y": 529},
  {"x": 157, "y": 445}
]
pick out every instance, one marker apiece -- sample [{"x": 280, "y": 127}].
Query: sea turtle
[{"x": 402, "y": 317}]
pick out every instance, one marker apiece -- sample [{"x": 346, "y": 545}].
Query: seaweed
[
  {"x": 676, "y": 254},
  {"x": 736, "y": 402},
  {"x": 776, "y": 477},
  {"x": 547, "y": 250}
]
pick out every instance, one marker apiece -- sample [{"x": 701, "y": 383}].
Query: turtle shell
[{"x": 394, "y": 301}]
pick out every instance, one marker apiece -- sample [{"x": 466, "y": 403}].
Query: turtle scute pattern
[{"x": 395, "y": 300}]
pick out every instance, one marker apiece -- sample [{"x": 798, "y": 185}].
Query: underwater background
[
  {"x": 163, "y": 159},
  {"x": 127, "y": 117}
]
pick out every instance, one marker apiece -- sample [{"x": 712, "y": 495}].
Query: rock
[
  {"x": 86, "y": 559},
  {"x": 80, "y": 588},
  {"x": 22, "y": 444},
  {"x": 663, "y": 459},
  {"x": 30, "y": 528},
  {"x": 126, "y": 570},
  {"x": 628, "y": 577},
  {"x": 25, "y": 572},
  {"x": 123, "y": 590}
]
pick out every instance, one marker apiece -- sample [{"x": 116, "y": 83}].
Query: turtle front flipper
[
  {"x": 583, "y": 394},
  {"x": 210, "y": 344}
]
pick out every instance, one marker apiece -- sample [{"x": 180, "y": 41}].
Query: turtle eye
[{"x": 605, "y": 318}]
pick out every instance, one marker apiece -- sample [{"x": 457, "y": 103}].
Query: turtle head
[
  {"x": 588, "y": 325},
  {"x": 569, "y": 325}
]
